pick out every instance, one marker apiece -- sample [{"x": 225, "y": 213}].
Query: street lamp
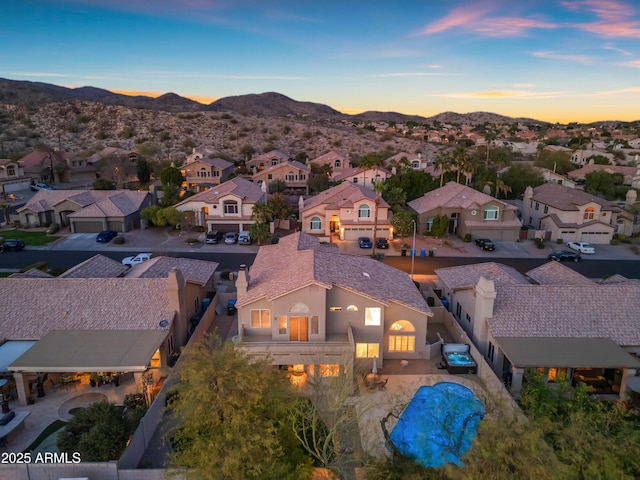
[{"x": 413, "y": 249}]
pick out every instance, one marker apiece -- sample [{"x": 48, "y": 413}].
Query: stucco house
[
  {"x": 320, "y": 312},
  {"x": 86, "y": 211},
  {"x": 363, "y": 176},
  {"x": 44, "y": 166},
  {"x": 552, "y": 320},
  {"x": 265, "y": 160},
  {"x": 415, "y": 161},
  {"x": 337, "y": 161},
  {"x": 206, "y": 173},
  {"x": 98, "y": 318},
  {"x": 12, "y": 177},
  {"x": 346, "y": 211},
  {"x": 293, "y": 174},
  {"x": 227, "y": 207},
  {"x": 568, "y": 214},
  {"x": 469, "y": 212}
]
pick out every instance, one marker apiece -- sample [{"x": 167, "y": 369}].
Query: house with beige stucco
[
  {"x": 468, "y": 211},
  {"x": 293, "y": 174},
  {"x": 227, "y": 207},
  {"x": 100, "y": 316},
  {"x": 337, "y": 161},
  {"x": 320, "y": 313},
  {"x": 568, "y": 214},
  {"x": 551, "y": 320},
  {"x": 265, "y": 160},
  {"x": 365, "y": 176},
  {"x": 203, "y": 173},
  {"x": 346, "y": 211}
]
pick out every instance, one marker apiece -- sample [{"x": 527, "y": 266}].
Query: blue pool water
[
  {"x": 459, "y": 359},
  {"x": 438, "y": 425}
]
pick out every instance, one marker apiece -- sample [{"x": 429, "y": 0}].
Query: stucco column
[
  {"x": 137, "y": 377},
  {"x": 23, "y": 388},
  {"x": 516, "y": 381},
  {"x": 626, "y": 373}
]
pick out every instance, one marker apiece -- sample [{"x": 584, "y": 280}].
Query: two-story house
[
  {"x": 320, "y": 312},
  {"x": 469, "y": 212},
  {"x": 552, "y": 320},
  {"x": 415, "y": 161},
  {"x": 205, "y": 173},
  {"x": 346, "y": 210},
  {"x": 45, "y": 166},
  {"x": 336, "y": 161},
  {"x": 568, "y": 214},
  {"x": 12, "y": 177},
  {"x": 293, "y": 174},
  {"x": 265, "y": 160},
  {"x": 227, "y": 207},
  {"x": 363, "y": 176}
]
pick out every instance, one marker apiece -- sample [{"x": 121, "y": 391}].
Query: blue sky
[{"x": 553, "y": 60}]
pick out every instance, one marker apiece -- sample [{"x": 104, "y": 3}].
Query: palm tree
[
  {"x": 378, "y": 187},
  {"x": 500, "y": 186},
  {"x": 489, "y": 138},
  {"x": 460, "y": 160},
  {"x": 443, "y": 163}
]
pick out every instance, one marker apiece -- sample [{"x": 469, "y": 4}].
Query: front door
[{"x": 299, "y": 329}]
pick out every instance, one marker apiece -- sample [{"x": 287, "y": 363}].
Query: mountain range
[{"x": 269, "y": 104}]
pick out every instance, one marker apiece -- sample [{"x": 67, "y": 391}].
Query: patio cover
[
  {"x": 91, "y": 351},
  {"x": 544, "y": 352},
  {"x": 11, "y": 350}
]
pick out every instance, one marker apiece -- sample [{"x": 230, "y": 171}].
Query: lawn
[
  {"x": 33, "y": 238},
  {"x": 46, "y": 441}
]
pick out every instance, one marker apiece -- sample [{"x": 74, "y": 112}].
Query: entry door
[{"x": 299, "y": 329}]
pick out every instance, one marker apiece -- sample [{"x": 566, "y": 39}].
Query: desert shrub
[
  {"x": 119, "y": 240},
  {"x": 467, "y": 237},
  {"x": 614, "y": 241},
  {"x": 539, "y": 242},
  {"x": 53, "y": 228}
]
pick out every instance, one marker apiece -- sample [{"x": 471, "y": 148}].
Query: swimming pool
[{"x": 438, "y": 425}]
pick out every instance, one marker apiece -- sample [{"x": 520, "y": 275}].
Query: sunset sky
[{"x": 553, "y": 60}]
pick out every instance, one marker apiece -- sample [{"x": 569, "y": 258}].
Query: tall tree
[
  {"x": 444, "y": 163},
  {"x": 228, "y": 410},
  {"x": 378, "y": 188},
  {"x": 280, "y": 208},
  {"x": 143, "y": 170},
  {"x": 171, "y": 176}
]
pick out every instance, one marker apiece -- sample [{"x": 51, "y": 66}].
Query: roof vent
[{"x": 366, "y": 274}]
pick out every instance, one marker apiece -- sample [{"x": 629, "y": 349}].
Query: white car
[
  {"x": 582, "y": 247},
  {"x": 137, "y": 260}
]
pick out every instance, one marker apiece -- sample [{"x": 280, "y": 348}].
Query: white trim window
[
  {"x": 364, "y": 211},
  {"x": 373, "y": 316},
  {"x": 491, "y": 213},
  {"x": 260, "y": 318},
  {"x": 316, "y": 223},
  {"x": 367, "y": 350},
  {"x": 230, "y": 207},
  {"x": 402, "y": 337}
]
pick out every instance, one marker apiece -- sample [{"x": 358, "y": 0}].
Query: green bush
[
  {"x": 119, "y": 240},
  {"x": 467, "y": 237},
  {"x": 44, "y": 266},
  {"x": 53, "y": 228},
  {"x": 539, "y": 242},
  {"x": 614, "y": 241}
]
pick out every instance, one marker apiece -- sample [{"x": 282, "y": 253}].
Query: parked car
[
  {"x": 364, "y": 242},
  {"x": 565, "y": 256},
  {"x": 106, "y": 236},
  {"x": 485, "y": 244},
  {"x": 244, "y": 238},
  {"x": 11, "y": 245},
  {"x": 230, "y": 237},
  {"x": 214, "y": 236},
  {"x": 382, "y": 243},
  {"x": 582, "y": 247},
  {"x": 136, "y": 260},
  {"x": 40, "y": 186}
]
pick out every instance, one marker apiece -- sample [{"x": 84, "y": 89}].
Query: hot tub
[{"x": 457, "y": 359}]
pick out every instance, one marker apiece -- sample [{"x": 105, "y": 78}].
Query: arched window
[
  {"x": 402, "y": 336},
  {"x": 352, "y": 308},
  {"x": 290, "y": 176},
  {"x": 491, "y": 213},
  {"x": 316, "y": 223},
  {"x": 589, "y": 213},
  {"x": 338, "y": 164},
  {"x": 299, "y": 308},
  {"x": 364, "y": 211}
]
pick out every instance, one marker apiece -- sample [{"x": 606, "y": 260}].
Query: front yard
[{"x": 34, "y": 238}]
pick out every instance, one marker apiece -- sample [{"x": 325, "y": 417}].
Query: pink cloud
[
  {"x": 510, "y": 26},
  {"x": 564, "y": 57},
  {"x": 632, "y": 63},
  {"x": 458, "y": 17},
  {"x": 615, "y": 18}
]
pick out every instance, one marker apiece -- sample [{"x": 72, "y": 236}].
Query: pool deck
[{"x": 373, "y": 406}]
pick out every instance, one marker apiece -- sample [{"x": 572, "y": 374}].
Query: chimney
[
  {"x": 631, "y": 198},
  {"x": 242, "y": 283},
  {"x": 300, "y": 203}
]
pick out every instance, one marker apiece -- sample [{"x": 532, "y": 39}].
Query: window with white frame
[
  {"x": 216, "y": 173},
  {"x": 589, "y": 213},
  {"x": 367, "y": 350},
  {"x": 230, "y": 206},
  {"x": 260, "y": 318},
  {"x": 402, "y": 336},
  {"x": 372, "y": 316},
  {"x": 364, "y": 211},
  {"x": 290, "y": 176},
  {"x": 491, "y": 213},
  {"x": 316, "y": 223}
]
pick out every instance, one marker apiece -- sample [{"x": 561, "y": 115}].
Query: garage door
[
  {"x": 224, "y": 227},
  {"x": 87, "y": 227},
  {"x": 114, "y": 225},
  {"x": 596, "y": 237}
]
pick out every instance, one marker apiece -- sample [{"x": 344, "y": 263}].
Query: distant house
[
  {"x": 265, "y": 160},
  {"x": 365, "y": 176},
  {"x": 45, "y": 166},
  {"x": 319, "y": 312},
  {"x": 469, "y": 212},
  {"x": 86, "y": 211},
  {"x": 293, "y": 174},
  {"x": 80, "y": 171},
  {"x": 551, "y": 320},
  {"x": 568, "y": 214},
  {"x": 415, "y": 161},
  {"x": 336, "y": 161},
  {"x": 631, "y": 175},
  {"x": 346, "y": 211},
  {"x": 226, "y": 207},
  {"x": 206, "y": 173},
  {"x": 12, "y": 177},
  {"x": 582, "y": 157}
]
